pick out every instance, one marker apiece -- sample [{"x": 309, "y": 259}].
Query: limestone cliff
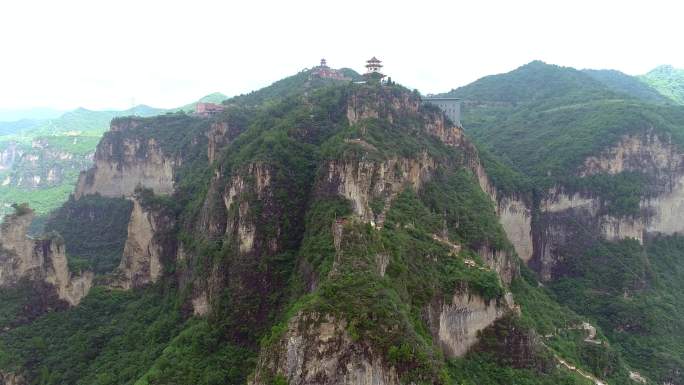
[
  {"x": 456, "y": 324},
  {"x": 569, "y": 216},
  {"x": 38, "y": 259},
  {"x": 365, "y": 182},
  {"x": 124, "y": 162},
  {"x": 318, "y": 350},
  {"x": 11, "y": 379},
  {"x": 514, "y": 211},
  {"x": 236, "y": 209},
  {"x": 144, "y": 250}
]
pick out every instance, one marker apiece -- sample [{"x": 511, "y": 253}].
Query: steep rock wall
[
  {"x": 141, "y": 262},
  {"x": 571, "y": 217},
  {"x": 456, "y": 324},
  {"x": 221, "y": 134},
  {"x": 241, "y": 210},
  {"x": 516, "y": 219},
  {"x": 38, "y": 259},
  {"x": 514, "y": 212},
  {"x": 124, "y": 163},
  {"x": 11, "y": 379},
  {"x": 318, "y": 350},
  {"x": 380, "y": 103},
  {"x": 363, "y": 181}
]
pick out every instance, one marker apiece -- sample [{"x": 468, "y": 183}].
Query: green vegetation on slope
[
  {"x": 147, "y": 336},
  {"x": 94, "y": 231},
  {"x": 668, "y": 81},
  {"x": 553, "y": 119},
  {"x": 535, "y": 82},
  {"x": 112, "y": 337},
  {"x": 634, "y": 293},
  {"x": 628, "y": 85}
]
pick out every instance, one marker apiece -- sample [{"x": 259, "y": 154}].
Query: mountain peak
[
  {"x": 663, "y": 69},
  {"x": 536, "y": 80}
]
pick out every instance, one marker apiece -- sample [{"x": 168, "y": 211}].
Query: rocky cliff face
[
  {"x": 515, "y": 213},
  {"x": 11, "y": 379},
  {"x": 317, "y": 349},
  {"x": 567, "y": 217},
  {"x": 242, "y": 210},
  {"x": 369, "y": 183},
  {"x": 144, "y": 250},
  {"x": 9, "y": 155},
  {"x": 456, "y": 324},
  {"x": 221, "y": 133},
  {"x": 38, "y": 259},
  {"x": 124, "y": 163}
]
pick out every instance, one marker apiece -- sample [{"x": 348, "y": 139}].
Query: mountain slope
[
  {"x": 535, "y": 82},
  {"x": 604, "y": 175},
  {"x": 668, "y": 80},
  {"x": 345, "y": 234},
  {"x": 629, "y": 85}
]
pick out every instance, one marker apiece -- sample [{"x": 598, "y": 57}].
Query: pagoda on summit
[
  {"x": 325, "y": 72},
  {"x": 373, "y": 66}
]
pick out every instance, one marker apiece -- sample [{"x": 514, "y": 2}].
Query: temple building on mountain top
[
  {"x": 325, "y": 72},
  {"x": 373, "y": 66}
]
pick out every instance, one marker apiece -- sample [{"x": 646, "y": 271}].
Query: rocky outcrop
[
  {"x": 241, "y": 210},
  {"x": 646, "y": 153},
  {"x": 317, "y": 349},
  {"x": 141, "y": 262},
  {"x": 578, "y": 216},
  {"x": 514, "y": 212},
  {"x": 38, "y": 259},
  {"x": 516, "y": 219},
  {"x": 456, "y": 324},
  {"x": 7, "y": 378},
  {"x": 502, "y": 262},
  {"x": 124, "y": 162},
  {"x": 9, "y": 155},
  {"x": 221, "y": 134},
  {"x": 380, "y": 103},
  {"x": 371, "y": 185}
]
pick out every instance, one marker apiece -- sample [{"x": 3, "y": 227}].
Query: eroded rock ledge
[
  {"x": 42, "y": 259},
  {"x": 566, "y": 217}
]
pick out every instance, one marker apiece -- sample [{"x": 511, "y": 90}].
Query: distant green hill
[
  {"x": 215, "y": 97},
  {"x": 626, "y": 84},
  {"x": 535, "y": 82},
  {"x": 668, "y": 80},
  {"x": 544, "y": 119}
]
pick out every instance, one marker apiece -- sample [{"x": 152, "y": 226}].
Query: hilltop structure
[
  {"x": 208, "y": 109},
  {"x": 325, "y": 72},
  {"x": 373, "y": 66}
]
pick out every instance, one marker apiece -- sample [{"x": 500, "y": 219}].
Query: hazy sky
[{"x": 108, "y": 54}]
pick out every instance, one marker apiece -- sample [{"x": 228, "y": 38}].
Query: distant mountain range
[
  {"x": 11, "y": 115},
  {"x": 540, "y": 81}
]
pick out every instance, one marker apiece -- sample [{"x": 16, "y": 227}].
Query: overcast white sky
[{"x": 106, "y": 54}]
